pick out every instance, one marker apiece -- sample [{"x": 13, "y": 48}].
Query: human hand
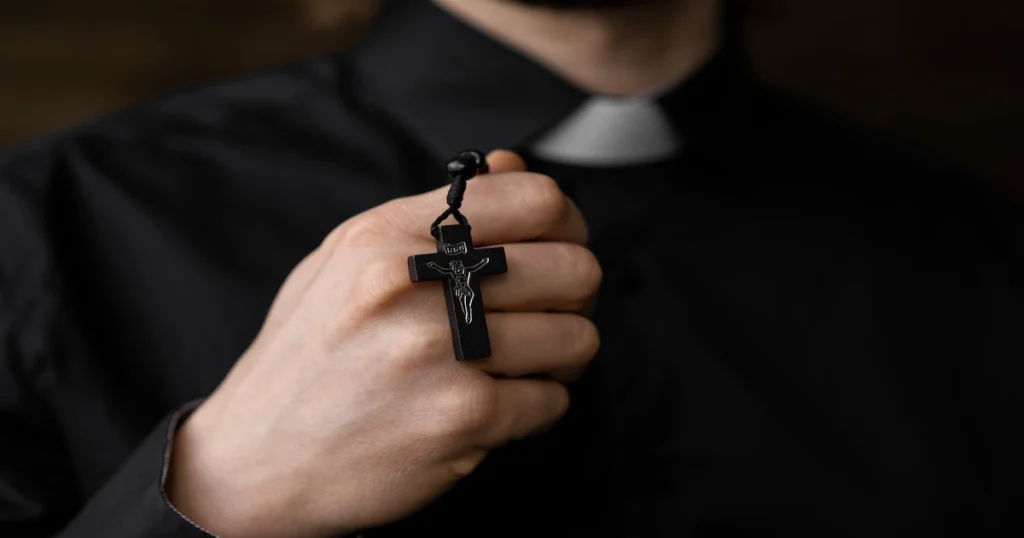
[{"x": 349, "y": 411}]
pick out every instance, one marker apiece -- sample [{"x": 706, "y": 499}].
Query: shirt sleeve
[
  {"x": 40, "y": 494},
  {"x": 133, "y": 503},
  {"x": 37, "y": 500}
]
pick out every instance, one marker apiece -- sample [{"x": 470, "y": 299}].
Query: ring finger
[{"x": 522, "y": 344}]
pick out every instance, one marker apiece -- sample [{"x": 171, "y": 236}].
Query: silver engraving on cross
[
  {"x": 460, "y": 276},
  {"x": 456, "y": 249}
]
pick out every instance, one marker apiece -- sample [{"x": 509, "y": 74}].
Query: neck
[{"x": 618, "y": 52}]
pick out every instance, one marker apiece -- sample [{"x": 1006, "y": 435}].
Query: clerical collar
[
  {"x": 610, "y": 131},
  {"x": 453, "y": 87}
]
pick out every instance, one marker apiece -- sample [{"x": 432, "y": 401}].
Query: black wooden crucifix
[{"x": 457, "y": 263}]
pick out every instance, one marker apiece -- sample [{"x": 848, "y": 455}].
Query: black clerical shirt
[{"x": 805, "y": 331}]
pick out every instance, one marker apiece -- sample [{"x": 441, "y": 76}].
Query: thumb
[{"x": 503, "y": 160}]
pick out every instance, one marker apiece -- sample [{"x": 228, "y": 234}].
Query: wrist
[{"x": 204, "y": 491}]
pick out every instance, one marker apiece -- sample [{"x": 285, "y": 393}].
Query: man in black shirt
[{"x": 803, "y": 331}]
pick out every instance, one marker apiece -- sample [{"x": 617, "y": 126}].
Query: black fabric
[
  {"x": 132, "y": 502},
  {"x": 806, "y": 331}
]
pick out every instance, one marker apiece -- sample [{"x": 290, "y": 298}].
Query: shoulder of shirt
[
  {"x": 219, "y": 105},
  {"x": 797, "y": 133},
  {"x": 793, "y": 130},
  {"x": 819, "y": 150},
  {"x": 307, "y": 106}
]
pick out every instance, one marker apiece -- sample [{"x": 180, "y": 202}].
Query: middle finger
[{"x": 560, "y": 277}]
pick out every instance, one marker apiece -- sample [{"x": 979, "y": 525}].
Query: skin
[
  {"x": 608, "y": 47},
  {"x": 348, "y": 411},
  {"x": 342, "y": 418}
]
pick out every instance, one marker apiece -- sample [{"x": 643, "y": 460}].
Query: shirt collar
[
  {"x": 453, "y": 87},
  {"x": 610, "y": 132}
]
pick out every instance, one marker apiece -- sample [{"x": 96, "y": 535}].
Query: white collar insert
[{"x": 610, "y": 131}]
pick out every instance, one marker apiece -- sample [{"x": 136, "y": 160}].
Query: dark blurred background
[{"x": 944, "y": 74}]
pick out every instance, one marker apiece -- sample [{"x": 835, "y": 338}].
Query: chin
[{"x": 586, "y": 4}]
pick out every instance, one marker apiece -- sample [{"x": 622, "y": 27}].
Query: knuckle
[
  {"x": 361, "y": 229},
  {"x": 554, "y": 399},
  {"x": 429, "y": 341},
  {"x": 470, "y": 408},
  {"x": 333, "y": 238},
  {"x": 381, "y": 282},
  {"x": 583, "y": 272},
  {"x": 585, "y": 338},
  {"x": 583, "y": 264},
  {"x": 560, "y": 401},
  {"x": 397, "y": 214},
  {"x": 386, "y": 276},
  {"x": 464, "y": 466},
  {"x": 545, "y": 199},
  {"x": 592, "y": 271},
  {"x": 416, "y": 347}
]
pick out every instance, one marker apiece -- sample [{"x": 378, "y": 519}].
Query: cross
[{"x": 457, "y": 263}]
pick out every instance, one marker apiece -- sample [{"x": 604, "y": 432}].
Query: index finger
[{"x": 505, "y": 207}]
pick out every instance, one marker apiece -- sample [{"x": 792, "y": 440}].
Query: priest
[{"x": 707, "y": 310}]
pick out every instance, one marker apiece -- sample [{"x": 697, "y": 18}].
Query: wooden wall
[{"x": 946, "y": 74}]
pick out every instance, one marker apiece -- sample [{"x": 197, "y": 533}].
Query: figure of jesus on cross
[{"x": 460, "y": 275}]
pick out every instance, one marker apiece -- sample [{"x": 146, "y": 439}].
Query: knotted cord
[{"x": 465, "y": 166}]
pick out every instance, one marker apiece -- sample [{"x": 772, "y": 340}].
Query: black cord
[{"x": 462, "y": 168}]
